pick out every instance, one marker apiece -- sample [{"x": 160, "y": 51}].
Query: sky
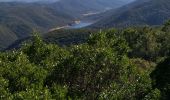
[
  {"x": 48, "y": 0},
  {"x": 28, "y": 0},
  {"x": 36, "y": 0}
]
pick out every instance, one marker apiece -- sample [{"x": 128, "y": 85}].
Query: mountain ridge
[
  {"x": 19, "y": 19},
  {"x": 148, "y": 12}
]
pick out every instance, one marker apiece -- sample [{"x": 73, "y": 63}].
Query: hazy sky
[
  {"x": 40, "y": 0},
  {"x": 49, "y": 0},
  {"x": 27, "y": 0}
]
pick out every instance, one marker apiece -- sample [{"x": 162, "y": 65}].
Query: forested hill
[
  {"x": 128, "y": 64},
  {"x": 145, "y": 12},
  {"x": 79, "y": 7},
  {"x": 18, "y": 20}
]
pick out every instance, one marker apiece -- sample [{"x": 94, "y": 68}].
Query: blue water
[{"x": 80, "y": 25}]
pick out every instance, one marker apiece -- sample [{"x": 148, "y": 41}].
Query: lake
[{"x": 80, "y": 25}]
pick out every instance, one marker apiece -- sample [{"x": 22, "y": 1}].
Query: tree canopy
[{"x": 111, "y": 64}]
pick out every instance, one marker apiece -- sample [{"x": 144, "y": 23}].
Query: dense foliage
[{"x": 110, "y": 65}]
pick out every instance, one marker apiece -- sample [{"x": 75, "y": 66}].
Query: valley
[
  {"x": 83, "y": 21},
  {"x": 19, "y": 19},
  {"x": 80, "y": 24},
  {"x": 84, "y": 49}
]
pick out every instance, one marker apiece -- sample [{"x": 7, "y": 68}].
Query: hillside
[
  {"x": 80, "y": 7},
  {"x": 60, "y": 37},
  {"x": 147, "y": 12},
  {"x": 18, "y": 20}
]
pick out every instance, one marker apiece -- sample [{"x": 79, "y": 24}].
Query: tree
[
  {"x": 143, "y": 42},
  {"x": 166, "y": 27},
  {"x": 100, "y": 67},
  {"x": 161, "y": 78},
  {"x": 44, "y": 55}
]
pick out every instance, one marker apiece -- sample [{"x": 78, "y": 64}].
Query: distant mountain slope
[
  {"x": 147, "y": 12},
  {"x": 79, "y": 7},
  {"x": 18, "y": 20},
  {"x": 60, "y": 37}
]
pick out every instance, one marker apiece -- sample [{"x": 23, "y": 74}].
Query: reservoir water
[{"x": 80, "y": 25}]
